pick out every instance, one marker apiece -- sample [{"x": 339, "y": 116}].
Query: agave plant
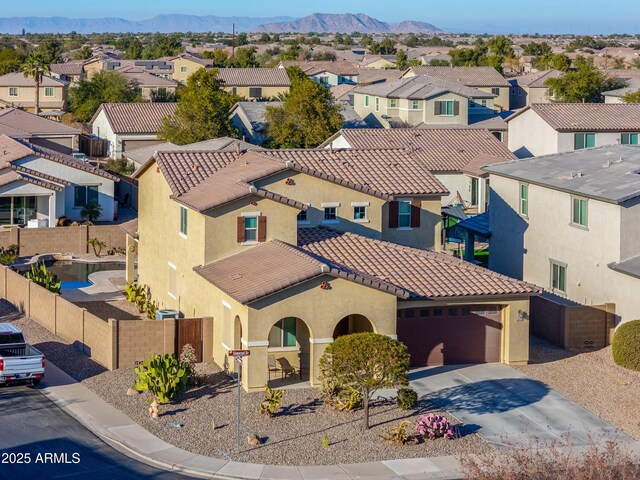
[
  {"x": 163, "y": 376},
  {"x": 41, "y": 275}
]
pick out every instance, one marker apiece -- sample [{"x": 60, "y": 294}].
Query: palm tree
[{"x": 36, "y": 66}]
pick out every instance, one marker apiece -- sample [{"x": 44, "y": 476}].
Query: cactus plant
[
  {"x": 163, "y": 376},
  {"x": 271, "y": 401},
  {"x": 42, "y": 276},
  {"x": 434, "y": 426}
]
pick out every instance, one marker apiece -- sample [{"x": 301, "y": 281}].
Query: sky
[{"x": 528, "y": 16}]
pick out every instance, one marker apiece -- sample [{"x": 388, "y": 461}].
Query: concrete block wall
[{"x": 140, "y": 339}]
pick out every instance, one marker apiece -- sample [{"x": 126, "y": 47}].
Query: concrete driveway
[{"x": 506, "y": 407}]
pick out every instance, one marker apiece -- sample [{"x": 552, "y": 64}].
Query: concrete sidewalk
[{"x": 126, "y": 436}]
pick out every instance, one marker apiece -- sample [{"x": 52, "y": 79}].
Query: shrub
[
  {"x": 271, "y": 402},
  {"x": 136, "y": 294},
  {"x": 121, "y": 166},
  {"x": 42, "y": 276},
  {"x": 9, "y": 255},
  {"x": 97, "y": 245},
  {"x": 434, "y": 426},
  {"x": 188, "y": 357},
  {"x": 407, "y": 398},
  {"x": 348, "y": 399},
  {"x": 151, "y": 307},
  {"x": 399, "y": 434},
  {"x": 163, "y": 376},
  {"x": 91, "y": 211},
  {"x": 626, "y": 345}
]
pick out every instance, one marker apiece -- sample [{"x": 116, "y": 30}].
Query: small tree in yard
[
  {"x": 91, "y": 211},
  {"x": 367, "y": 361},
  {"x": 97, "y": 245}
]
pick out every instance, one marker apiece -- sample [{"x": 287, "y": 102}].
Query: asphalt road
[{"x": 56, "y": 445}]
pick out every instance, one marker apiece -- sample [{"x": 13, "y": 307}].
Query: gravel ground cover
[{"x": 591, "y": 380}]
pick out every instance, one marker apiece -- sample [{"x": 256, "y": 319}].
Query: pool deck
[{"x": 101, "y": 290}]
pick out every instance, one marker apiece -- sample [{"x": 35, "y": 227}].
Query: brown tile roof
[
  {"x": 421, "y": 273},
  {"x": 12, "y": 176},
  {"x": 578, "y": 117},
  {"x": 536, "y": 80},
  {"x": 43, "y": 176},
  {"x": 136, "y": 117},
  {"x": 68, "y": 68},
  {"x": 383, "y": 173},
  {"x": 130, "y": 228},
  {"x": 342, "y": 68},
  {"x": 469, "y": 76},
  {"x": 20, "y": 124},
  {"x": 144, "y": 78},
  {"x": 17, "y": 79},
  {"x": 254, "y": 77},
  {"x": 438, "y": 149},
  {"x": 420, "y": 87}
]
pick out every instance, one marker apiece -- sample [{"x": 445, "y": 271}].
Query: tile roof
[
  {"x": 255, "y": 113},
  {"x": 420, "y": 88},
  {"x": 437, "y": 149},
  {"x": 144, "y": 78},
  {"x": 20, "y": 124},
  {"x": 579, "y": 117},
  {"x": 342, "y": 68},
  {"x": 254, "y": 77},
  {"x": 384, "y": 173},
  {"x": 405, "y": 272},
  {"x": 12, "y": 176},
  {"x": 136, "y": 117},
  {"x": 608, "y": 173},
  {"x": 68, "y": 68},
  {"x": 469, "y": 76},
  {"x": 17, "y": 79},
  {"x": 130, "y": 228},
  {"x": 536, "y": 80},
  {"x": 633, "y": 85},
  {"x": 368, "y": 76}
]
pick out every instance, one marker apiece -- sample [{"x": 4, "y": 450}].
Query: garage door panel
[{"x": 448, "y": 336}]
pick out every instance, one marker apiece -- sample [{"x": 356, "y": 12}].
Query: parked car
[
  {"x": 80, "y": 156},
  {"x": 19, "y": 361}
]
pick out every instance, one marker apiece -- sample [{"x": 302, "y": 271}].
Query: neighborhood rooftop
[
  {"x": 420, "y": 88},
  {"x": 609, "y": 173},
  {"x": 470, "y": 76},
  {"x": 586, "y": 117},
  {"x": 136, "y": 117},
  {"x": 17, "y": 123},
  {"x": 341, "y": 68},
  {"x": 253, "y": 77},
  {"x": 537, "y": 79},
  {"x": 18, "y": 79}
]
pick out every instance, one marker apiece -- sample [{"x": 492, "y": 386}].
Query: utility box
[{"x": 165, "y": 314}]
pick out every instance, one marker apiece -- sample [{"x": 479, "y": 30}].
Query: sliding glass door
[{"x": 17, "y": 210}]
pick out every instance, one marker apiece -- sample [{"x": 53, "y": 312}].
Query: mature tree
[
  {"x": 536, "y": 49},
  {"x": 265, "y": 38},
  {"x": 557, "y": 61},
  {"x": 584, "y": 84},
  {"x": 163, "y": 46},
  {"x": 241, "y": 39},
  {"x": 402, "y": 61},
  {"x": 308, "y": 114},
  {"x": 244, "y": 58},
  {"x": 134, "y": 50},
  {"x": 326, "y": 56},
  {"x": 500, "y": 46},
  {"x": 83, "y": 53},
  {"x": 219, "y": 57},
  {"x": 51, "y": 50},
  {"x": 338, "y": 39},
  {"x": 36, "y": 66},
  {"x": 411, "y": 41},
  {"x": 437, "y": 62},
  {"x": 632, "y": 97},
  {"x": 202, "y": 112},
  {"x": 10, "y": 60},
  {"x": 104, "y": 87},
  {"x": 292, "y": 53},
  {"x": 366, "y": 361}
]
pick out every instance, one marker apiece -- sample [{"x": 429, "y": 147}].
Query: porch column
[
  {"x": 52, "y": 211},
  {"x": 130, "y": 265},
  {"x": 318, "y": 346},
  {"x": 255, "y": 373}
]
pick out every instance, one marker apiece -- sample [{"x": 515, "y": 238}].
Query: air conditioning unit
[{"x": 164, "y": 314}]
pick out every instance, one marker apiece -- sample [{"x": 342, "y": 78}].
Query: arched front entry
[
  {"x": 354, "y": 323},
  {"x": 289, "y": 351}
]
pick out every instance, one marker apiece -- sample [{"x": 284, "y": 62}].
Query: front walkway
[{"x": 506, "y": 407}]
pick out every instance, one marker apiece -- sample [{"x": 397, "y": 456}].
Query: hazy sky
[{"x": 572, "y": 16}]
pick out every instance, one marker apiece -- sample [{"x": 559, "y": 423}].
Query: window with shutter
[
  {"x": 240, "y": 229},
  {"x": 436, "y": 108},
  {"x": 415, "y": 213},
  {"x": 456, "y": 107},
  {"x": 262, "y": 228},
  {"x": 393, "y": 214}
]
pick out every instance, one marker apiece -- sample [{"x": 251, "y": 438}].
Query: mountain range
[
  {"x": 169, "y": 23},
  {"x": 345, "y": 23}
]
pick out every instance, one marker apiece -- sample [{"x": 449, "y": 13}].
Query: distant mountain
[
  {"x": 162, "y": 23},
  {"x": 345, "y": 23}
]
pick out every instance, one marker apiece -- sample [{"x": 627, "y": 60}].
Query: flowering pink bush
[{"x": 434, "y": 426}]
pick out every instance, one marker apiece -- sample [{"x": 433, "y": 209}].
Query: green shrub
[
  {"x": 41, "y": 275},
  {"x": 91, "y": 211},
  {"x": 136, "y": 294},
  {"x": 399, "y": 434},
  {"x": 162, "y": 375},
  {"x": 271, "y": 401},
  {"x": 407, "y": 398},
  {"x": 626, "y": 345},
  {"x": 9, "y": 255}
]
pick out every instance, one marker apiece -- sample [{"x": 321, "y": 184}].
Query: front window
[
  {"x": 255, "y": 92},
  {"x": 250, "y": 229},
  {"x": 446, "y": 107},
  {"x": 324, "y": 80},
  {"x": 360, "y": 213},
  {"x": 17, "y": 210},
  {"x": 404, "y": 213},
  {"x": 48, "y": 92},
  {"x": 524, "y": 199},
  {"x": 584, "y": 140},
  {"x": 183, "y": 69},
  {"x": 84, "y": 195},
  {"x": 629, "y": 139},
  {"x": 283, "y": 333},
  {"x": 474, "y": 191},
  {"x": 393, "y": 103},
  {"x": 495, "y": 91},
  {"x": 13, "y": 91},
  {"x": 366, "y": 100},
  {"x": 330, "y": 213},
  {"x": 558, "y": 277},
  {"x": 415, "y": 104},
  {"x": 579, "y": 211},
  {"x": 183, "y": 220},
  {"x": 484, "y": 102}
]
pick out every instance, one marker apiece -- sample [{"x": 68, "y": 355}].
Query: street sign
[{"x": 239, "y": 353}]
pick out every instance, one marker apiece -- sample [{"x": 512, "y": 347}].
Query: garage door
[
  {"x": 451, "y": 335},
  {"x": 128, "y": 145}
]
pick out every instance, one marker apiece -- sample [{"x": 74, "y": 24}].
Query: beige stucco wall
[
  {"x": 91, "y": 69},
  {"x": 530, "y": 135},
  {"x": 27, "y": 95},
  {"x": 191, "y": 67},
  {"x": 502, "y": 100},
  {"x": 267, "y": 92}
]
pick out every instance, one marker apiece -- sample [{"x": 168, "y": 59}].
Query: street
[{"x": 51, "y": 444}]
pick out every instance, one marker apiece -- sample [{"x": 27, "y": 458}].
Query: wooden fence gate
[{"x": 189, "y": 330}]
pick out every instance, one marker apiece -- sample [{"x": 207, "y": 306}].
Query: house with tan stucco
[
  {"x": 255, "y": 83},
  {"x": 186, "y": 64},
  {"x": 19, "y": 91},
  {"x": 289, "y": 249}
]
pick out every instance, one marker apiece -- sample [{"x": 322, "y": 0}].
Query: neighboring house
[
  {"x": 255, "y": 83},
  {"x": 487, "y": 79},
  {"x": 128, "y": 126},
  {"x": 249, "y": 119},
  {"x": 453, "y": 156},
  {"x": 615, "y": 96},
  {"x": 543, "y": 129},
  {"x": 289, "y": 249},
  {"x": 186, "y": 64},
  {"x": 383, "y": 62},
  {"x": 569, "y": 222},
  {"x": 38, "y": 186},
  {"x": 326, "y": 73},
  {"x": 531, "y": 88},
  {"x": 19, "y": 91},
  {"x": 71, "y": 72},
  {"x": 38, "y": 130},
  {"x": 161, "y": 67},
  {"x": 148, "y": 83},
  {"x": 420, "y": 99}
]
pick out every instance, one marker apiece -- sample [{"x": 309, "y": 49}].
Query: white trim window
[
  {"x": 523, "y": 199},
  {"x": 184, "y": 212},
  {"x": 415, "y": 104},
  {"x": 377, "y": 101},
  {"x": 404, "y": 213},
  {"x": 330, "y": 213},
  {"x": 250, "y": 228},
  {"x": 393, "y": 103},
  {"x": 14, "y": 91},
  {"x": 366, "y": 100},
  {"x": 172, "y": 289},
  {"x": 183, "y": 69},
  {"x": 579, "y": 211},
  {"x": 49, "y": 92},
  {"x": 360, "y": 212},
  {"x": 558, "y": 277}
]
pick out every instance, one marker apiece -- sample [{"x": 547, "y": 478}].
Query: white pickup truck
[{"x": 19, "y": 361}]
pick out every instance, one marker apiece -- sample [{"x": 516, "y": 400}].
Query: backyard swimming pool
[{"x": 73, "y": 274}]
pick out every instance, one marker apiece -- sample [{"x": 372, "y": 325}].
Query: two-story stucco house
[
  {"x": 38, "y": 186},
  {"x": 148, "y": 84},
  {"x": 543, "y": 129},
  {"x": 531, "y": 88},
  {"x": 289, "y": 249},
  {"x": 487, "y": 79},
  {"x": 19, "y": 91},
  {"x": 453, "y": 156},
  {"x": 420, "y": 99},
  {"x": 255, "y": 83},
  {"x": 186, "y": 64},
  {"x": 327, "y": 73},
  {"x": 570, "y": 222}
]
